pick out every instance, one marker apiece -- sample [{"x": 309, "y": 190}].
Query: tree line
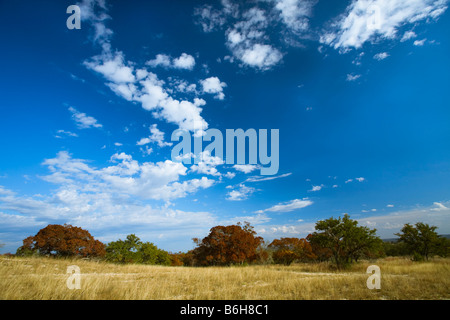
[{"x": 338, "y": 240}]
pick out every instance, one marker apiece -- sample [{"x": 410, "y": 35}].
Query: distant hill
[{"x": 396, "y": 239}]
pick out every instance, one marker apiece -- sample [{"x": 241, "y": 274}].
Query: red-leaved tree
[
  {"x": 288, "y": 250},
  {"x": 226, "y": 245},
  {"x": 63, "y": 240}
]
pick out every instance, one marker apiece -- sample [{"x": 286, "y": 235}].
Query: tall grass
[{"x": 45, "y": 278}]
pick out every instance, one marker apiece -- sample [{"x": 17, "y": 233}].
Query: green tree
[
  {"x": 421, "y": 240},
  {"x": 133, "y": 250},
  {"x": 346, "y": 240}
]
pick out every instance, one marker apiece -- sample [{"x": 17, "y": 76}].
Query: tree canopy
[
  {"x": 226, "y": 245},
  {"x": 133, "y": 250},
  {"x": 288, "y": 250},
  {"x": 346, "y": 240},
  {"x": 422, "y": 240},
  {"x": 62, "y": 240}
]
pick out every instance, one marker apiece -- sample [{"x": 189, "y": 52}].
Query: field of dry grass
[{"x": 45, "y": 279}]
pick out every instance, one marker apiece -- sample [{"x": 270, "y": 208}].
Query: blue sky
[{"x": 357, "y": 89}]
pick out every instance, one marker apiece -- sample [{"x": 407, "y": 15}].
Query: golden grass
[{"x": 45, "y": 279}]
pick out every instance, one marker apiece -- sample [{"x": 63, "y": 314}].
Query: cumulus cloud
[
  {"x": 316, "y": 188},
  {"x": 106, "y": 215},
  {"x": 381, "y": 56},
  {"x": 162, "y": 60},
  {"x": 262, "y": 56},
  {"x": 370, "y": 20},
  {"x": 408, "y": 35},
  {"x": 139, "y": 85},
  {"x": 246, "y": 28},
  {"x": 185, "y": 61},
  {"x": 295, "y": 14},
  {"x": 95, "y": 12},
  {"x": 145, "y": 87},
  {"x": 157, "y": 136},
  {"x": 245, "y": 168},
  {"x": 112, "y": 67},
  {"x": 214, "y": 86},
  {"x": 125, "y": 177},
  {"x": 207, "y": 164},
  {"x": 241, "y": 193}
]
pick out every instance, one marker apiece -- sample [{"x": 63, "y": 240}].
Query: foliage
[
  {"x": 226, "y": 245},
  {"x": 321, "y": 253},
  {"x": 422, "y": 241},
  {"x": 346, "y": 240},
  {"x": 288, "y": 250},
  {"x": 133, "y": 250},
  {"x": 395, "y": 248},
  {"x": 62, "y": 241}
]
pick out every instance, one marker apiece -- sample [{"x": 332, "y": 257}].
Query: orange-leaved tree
[
  {"x": 227, "y": 245},
  {"x": 62, "y": 240},
  {"x": 288, "y": 250}
]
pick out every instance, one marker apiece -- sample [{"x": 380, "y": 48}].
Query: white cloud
[
  {"x": 208, "y": 18},
  {"x": 156, "y": 136},
  {"x": 246, "y": 168},
  {"x": 262, "y": 56},
  {"x": 381, "y": 56},
  {"x": 126, "y": 177},
  {"x": 160, "y": 60},
  {"x": 288, "y": 206},
  {"x": 82, "y": 120},
  {"x": 408, "y": 35},
  {"x": 279, "y": 231},
  {"x": 360, "y": 179},
  {"x": 207, "y": 164},
  {"x": 61, "y": 133},
  {"x": 95, "y": 12},
  {"x": 419, "y": 43},
  {"x": 112, "y": 67},
  {"x": 103, "y": 214},
  {"x": 353, "y": 77},
  {"x": 246, "y": 35},
  {"x": 215, "y": 86},
  {"x": 369, "y": 20},
  {"x": 139, "y": 85},
  {"x": 316, "y": 188},
  {"x": 253, "y": 219},
  {"x": 295, "y": 13},
  {"x": 149, "y": 91},
  {"x": 242, "y": 193},
  {"x": 230, "y": 175},
  {"x": 391, "y": 223},
  {"x": 265, "y": 178},
  {"x": 439, "y": 207},
  {"x": 184, "y": 61}
]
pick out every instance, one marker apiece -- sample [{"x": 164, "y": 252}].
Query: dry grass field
[{"x": 45, "y": 279}]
